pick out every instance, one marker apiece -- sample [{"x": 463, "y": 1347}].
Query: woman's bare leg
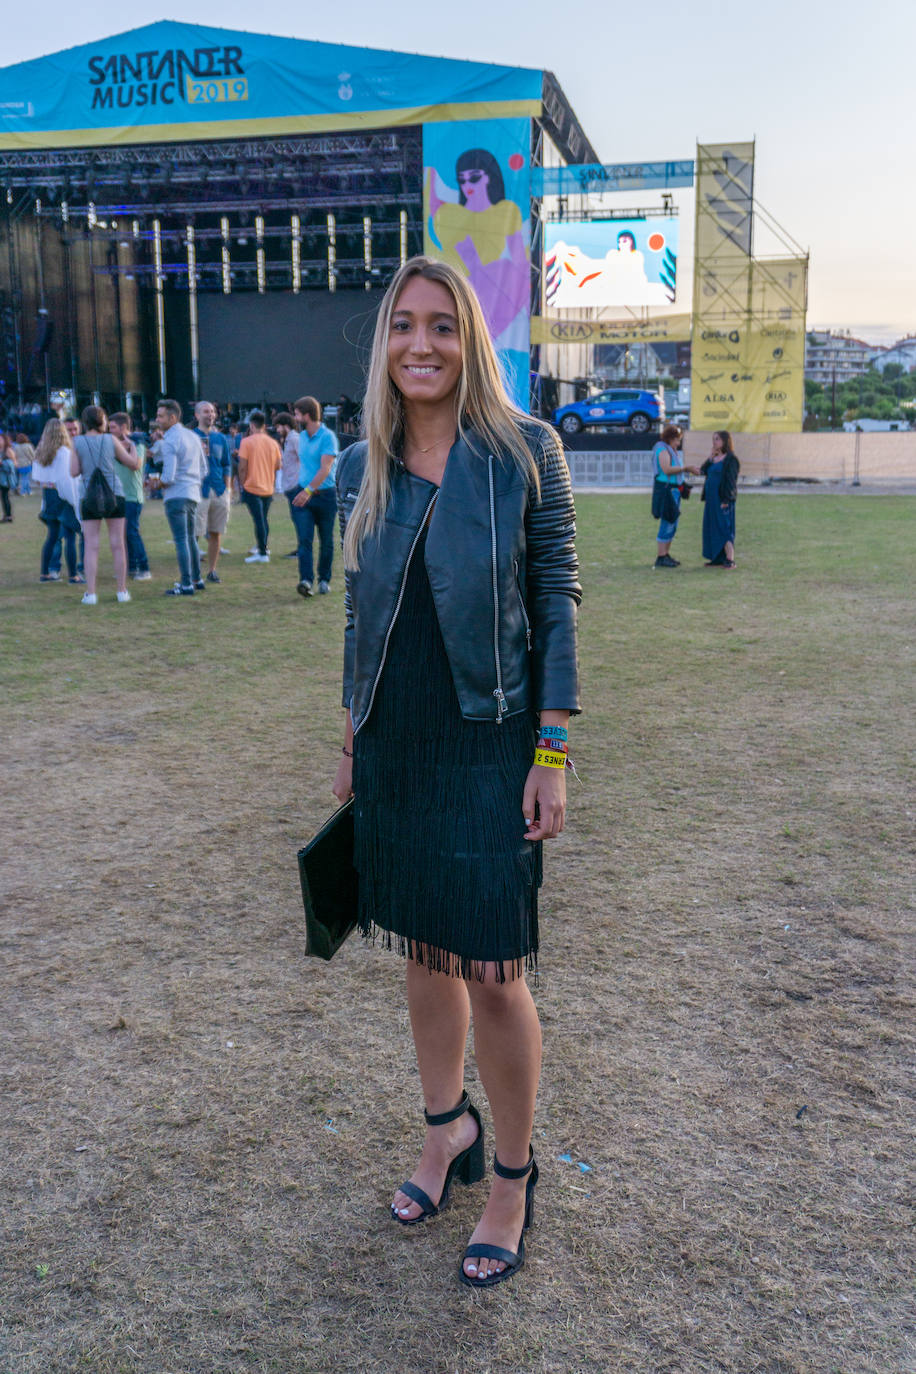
[
  {"x": 439, "y": 1017},
  {"x": 91, "y": 552},
  {"x": 118, "y": 546},
  {"x": 507, "y": 1042}
]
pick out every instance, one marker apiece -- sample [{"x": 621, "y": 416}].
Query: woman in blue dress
[{"x": 720, "y": 491}]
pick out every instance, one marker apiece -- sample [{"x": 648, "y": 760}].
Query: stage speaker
[{"x": 44, "y": 333}]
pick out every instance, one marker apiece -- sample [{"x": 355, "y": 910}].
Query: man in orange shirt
[{"x": 259, "y": 462}]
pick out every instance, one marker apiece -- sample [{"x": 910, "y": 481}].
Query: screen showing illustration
[
  {"x": 476, "y": 218},
  {"x": 610, "y": 262}
]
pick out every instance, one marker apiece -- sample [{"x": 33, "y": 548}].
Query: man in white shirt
[{"x": 183, "y": 469}]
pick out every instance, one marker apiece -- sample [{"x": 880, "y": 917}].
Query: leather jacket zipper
[
  {"x": 502, "y": 705},
  {"x": 522, "y": 607},
  {"x": 397, "y": 608}
]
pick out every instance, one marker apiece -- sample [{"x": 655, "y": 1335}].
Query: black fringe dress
[{"x": 445, "y": 876}]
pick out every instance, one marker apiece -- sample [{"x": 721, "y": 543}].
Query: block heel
[
  {"x": 468, "y": 1166},
  {"x": 472, "y": 1167}
]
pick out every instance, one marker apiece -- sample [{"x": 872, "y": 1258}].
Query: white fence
[{"x": 872, "y": 459}]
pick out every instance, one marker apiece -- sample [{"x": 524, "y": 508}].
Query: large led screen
[{"x": 603, "y": 262}]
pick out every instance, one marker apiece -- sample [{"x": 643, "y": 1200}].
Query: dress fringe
[{"x": 445, "y": 875}]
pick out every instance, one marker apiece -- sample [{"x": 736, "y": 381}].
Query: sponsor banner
[
  {"x": 172, "y": 80},
  {"x": 610, "y": 262},
  {"x": 622, "y": 176},
  {"x": 664, "y": 328},
  {"x": 476, "y": 217},
  {"x": 748, "y": 368}
]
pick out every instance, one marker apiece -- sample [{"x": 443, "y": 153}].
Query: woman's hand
[
  {"x": 343, "y": 780},
  {"x": 544, "y": 802}
]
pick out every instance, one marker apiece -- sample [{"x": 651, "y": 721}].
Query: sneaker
[
  {"x": 200, "y": 585},
  {"x": 77, "y": 581},
  {"x": 179, "y": 590},
  {"x": 143, "y": 576},
  {"x": 323, "y": 588},
  {"x": 49, "y": 577},
  {"x": 253, "y": 549},
  {"x": 124, "y": 596},
  {"x": 294, "y": 554},
  {"x": 666, "y": 561},
  {"x": 305, "y": 589},
  {"x": 89, "y": 599},
  {"x": 212, "y": 577},
  {"x": 258, "y": 557}
]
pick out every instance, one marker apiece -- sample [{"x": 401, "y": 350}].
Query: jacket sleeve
[
  {"x": 553, "y": 588},
  {"x": 729, "y": 488},
  {"x": 341, "y": 480}
]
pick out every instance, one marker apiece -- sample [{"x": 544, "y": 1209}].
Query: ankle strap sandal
[
  {"x": 467, "y": 1166},
  {"x": 512, "y": 1260}
]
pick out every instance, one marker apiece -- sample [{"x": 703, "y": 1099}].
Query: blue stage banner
[
  {"x": 177, "y": 81},
  {"x": 620, "y": 176},
  {"x": 476, "y": 209}
]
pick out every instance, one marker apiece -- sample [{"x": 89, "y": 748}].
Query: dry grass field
[{"x": 201, "y": 1130}]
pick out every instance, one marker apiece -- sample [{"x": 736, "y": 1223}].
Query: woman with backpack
[{"x": 93, "y": 459}]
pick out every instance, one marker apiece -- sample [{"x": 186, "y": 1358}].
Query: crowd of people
[{"x": 100, "y": 470}]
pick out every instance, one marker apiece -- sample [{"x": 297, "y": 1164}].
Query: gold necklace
[{"x": 432, "y": 446}]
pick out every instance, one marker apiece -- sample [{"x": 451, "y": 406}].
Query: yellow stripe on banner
[
  {"x": 662, "y": 329},
  {"x": 344, "y": 122}
]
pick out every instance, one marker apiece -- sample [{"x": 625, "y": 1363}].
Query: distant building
[
  {"x": 902, "y": 352},
  {"x": 830, "y": 356},
  {"x": 866, "y": 426}
]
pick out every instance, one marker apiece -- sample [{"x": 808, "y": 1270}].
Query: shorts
[{"x": 212, "y": 515}]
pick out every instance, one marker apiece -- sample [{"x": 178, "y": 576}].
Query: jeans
[
  {"x": 320, "y": 512},
  {"x": 7, "y": 508},
  {"x": 137, "y": 560},
  {"x": 259, "y": 506},
  {"x": 53, "y": 509},
  {"x": 25, "y": 480},
  {"x": 180, "y": 514}
]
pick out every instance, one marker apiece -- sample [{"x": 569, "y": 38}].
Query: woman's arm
[
  {"x": 124, "y": 455},
  {"x": 544, "y": 799},
  {"x": 343, "y": 778},
  {"x": 671, "y": 469},
  {"x": 75, "y": 466}
]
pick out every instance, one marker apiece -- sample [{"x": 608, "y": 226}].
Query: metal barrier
[{"x": 629, "y": 468}]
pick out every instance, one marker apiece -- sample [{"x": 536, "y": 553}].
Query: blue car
[{"x": 640, "y": 410}]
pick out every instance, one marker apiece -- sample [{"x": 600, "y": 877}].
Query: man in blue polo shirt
[
  {"x": 315, "y": 504},
  {"x": 213, "y": 507}
]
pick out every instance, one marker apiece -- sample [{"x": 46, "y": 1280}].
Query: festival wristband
[
  {"x": 555, "y": 746},
  {"x": 308, "y": 490},
  {"x": 554, "y": 731},
  {"x": 549, "y": 760}
]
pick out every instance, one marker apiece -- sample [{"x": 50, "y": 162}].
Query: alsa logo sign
[{"x": 166, "y": 76}]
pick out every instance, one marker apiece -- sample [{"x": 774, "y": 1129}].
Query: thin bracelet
[{"x": 346, "y": 751}]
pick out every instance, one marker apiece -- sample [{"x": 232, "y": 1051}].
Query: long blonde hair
[
  {"x": 482, "y": 403},
  {"x": 53, "y": 436}
]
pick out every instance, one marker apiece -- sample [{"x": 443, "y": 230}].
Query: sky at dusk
[{"x": 825, "y": 88}]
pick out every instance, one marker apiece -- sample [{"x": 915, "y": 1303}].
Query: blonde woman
[
  {"x": 459, "y": 679},
  {"x": 51, "y": 472}
]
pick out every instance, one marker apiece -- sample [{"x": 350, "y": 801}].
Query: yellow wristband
[{"x": 549, "y": 760}]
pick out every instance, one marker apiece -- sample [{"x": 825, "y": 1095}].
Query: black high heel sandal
[
  {"x": 467, "y": 1166},
  {"x": 513, "y": 1262}
]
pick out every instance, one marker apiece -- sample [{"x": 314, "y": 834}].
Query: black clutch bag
[{"x": 329, "y": 884}]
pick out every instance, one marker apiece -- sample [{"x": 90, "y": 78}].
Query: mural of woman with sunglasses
[{"x": 479, "y": 232}]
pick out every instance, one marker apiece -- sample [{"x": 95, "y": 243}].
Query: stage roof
[{"x": 175, "y": 82}]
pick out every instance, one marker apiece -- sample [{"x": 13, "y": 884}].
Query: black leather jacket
[{"x": 503, "y": 571}]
